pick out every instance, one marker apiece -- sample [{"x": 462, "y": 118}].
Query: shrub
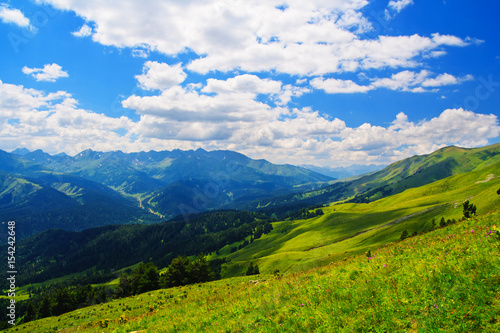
[
  {"x": 253, "y": 269},
  {"x": 469, "y": 209}
]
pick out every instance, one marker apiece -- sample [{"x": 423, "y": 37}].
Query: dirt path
[{"x": 149, "y": 209}]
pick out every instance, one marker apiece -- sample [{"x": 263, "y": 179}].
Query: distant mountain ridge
[
  {"x": 412, "y": 172},
  {"x": 344, "y": 172},
  {"x": 98, "y": 188},
  {"x": 92, "y": 188},
  {"x": 462, "y": 173},
  {"x": 141, "y": 172}
]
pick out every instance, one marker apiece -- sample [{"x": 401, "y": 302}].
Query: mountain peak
[
  {"x": 37, "y": 156},
  {"x": 20, "y": 151},
  {"x": 88, "y": 153}
]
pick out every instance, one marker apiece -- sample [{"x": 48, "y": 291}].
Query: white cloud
[
  {"x": 288, "y": 91},
  {"x": 399, "y": 5},
  {"x": 49, "y": 73},
  {"x": 316, "y": 37},
  {"x": 179, "y": 104},
  {"x": 336, "y": 86},
  {"x": 449, "y": 128},
  {"x": 243, "y": 84},
  {"x": 316, "y": 41},
  {"x": 160, "y": 76},
  {"x": 408, "y": 81},
  {"x": 403, "y": 81},
  {"x": 53, "y": 122},
  {"x": 13, "y": 16},
  {"x": 445, "y": 80},
  {"x": 140, "y": 53},
  {"x": 448, "y": 40},
  {"x": 418, "y": 82},
  {"x": 84, "y": 31}
]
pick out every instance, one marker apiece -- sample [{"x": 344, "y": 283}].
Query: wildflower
[{"x": 472, "y": 231}]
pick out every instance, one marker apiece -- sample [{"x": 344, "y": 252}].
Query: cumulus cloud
[
  {"x": 54, "y": 122},
  {"x": 13, "y": 16},
  {"x": 233, "y": 99},
  {"x": 49, "y": 73},
  {"x": 336, "y": 86},
  {"x": 445, "y": 80},
  {"x": 288, "y": 91},
  {"x": 244, "y": 84},
  {"x": 403, "y": 81},
  {"x": 447, "y": 129},
  {"x": 160, "y": 76},
  {"x": 408, "y": 81},
  {"x": 84, "y": 31},
  {"x": 314, "y": 38},
  {"x": 399, "y": 5},
  {"x": 265, "y": 46},
  {"x": 180, "y": 104}
]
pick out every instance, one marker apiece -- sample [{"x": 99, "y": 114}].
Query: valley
[{"x": 328, "y": 227}]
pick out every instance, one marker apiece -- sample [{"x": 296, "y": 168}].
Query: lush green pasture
[
  {"x": 348, "y": 228},
  {"x": 445, "y": 280}
]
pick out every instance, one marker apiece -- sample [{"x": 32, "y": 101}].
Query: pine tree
[
  {"x": 44, "y": 309},
  {"x": 200, "y": 270},
  {"x": 124, "y": 288},
  {"x": 147, "y": 278},
  {"x": 469, "y": 209},
  {"x": 404, "y": 234},
  {"x": 30, "y": 313},
  {"x": 178, "y": 272},
  {"x": 63, "y": 301},
  {"x": 252, "y": 269}
]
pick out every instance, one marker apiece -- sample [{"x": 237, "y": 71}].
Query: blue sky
[{"x": 324, "y": 82}]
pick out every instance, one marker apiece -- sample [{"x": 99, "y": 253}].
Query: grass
[
  {"x": 444, "y": 280},
  {"x": 349, "y": 228}
]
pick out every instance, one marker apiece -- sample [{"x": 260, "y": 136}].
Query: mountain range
[
  {"x": 92, "y": 228},
  {"x": 409, "y": 173},
  {"x": 42, "y": 191}
]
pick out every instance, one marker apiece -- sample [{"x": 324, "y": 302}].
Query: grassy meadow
[
  {"x": 317, "y": 276},
  {"x": 351, "y": 228},
  {"x": 444, "y": 280}
]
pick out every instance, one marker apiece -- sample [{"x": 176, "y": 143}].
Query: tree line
[
  {"x": 57, "y": 253},
  {"x": 56, "y": 300}
]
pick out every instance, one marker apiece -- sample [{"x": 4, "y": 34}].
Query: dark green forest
[{"x": 97, "y": 252}]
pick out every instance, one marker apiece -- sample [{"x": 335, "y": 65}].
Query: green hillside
[
  {"x": 51, "y": 200},
  {"x": 442, "y": 281},
  {"x": 165, "y": 183},
  {"x": 343, "y": 229},
  {"x": 356, "y": 227},
  {"x": 56, "y": 253},
  {"x": 409, "y": 173},
  {"x": 22, "y": 196},
  {"x": 337, "y": 234}
]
